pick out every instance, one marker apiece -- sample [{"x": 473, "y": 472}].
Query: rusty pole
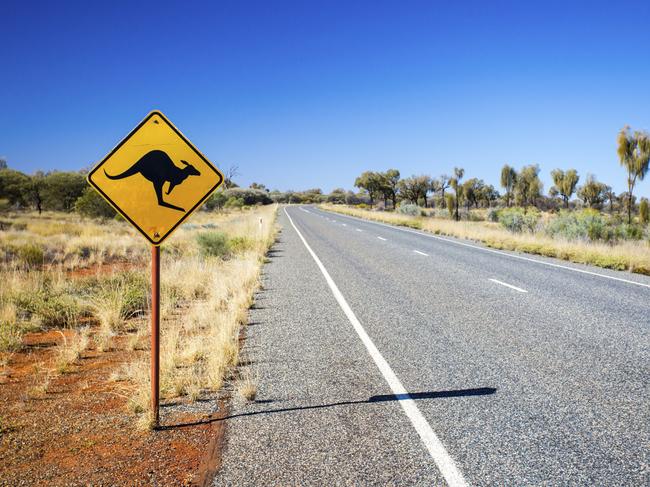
[{"x": 155, "y": 332}]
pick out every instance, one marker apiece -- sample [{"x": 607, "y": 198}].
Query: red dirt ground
[{"x": 80, "y": 433}]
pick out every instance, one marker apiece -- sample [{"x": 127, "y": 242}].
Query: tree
[
  {"x": 508, "y": 181},
  {"x": 91, "y": 204},
  {"x": 454, "y": 182},
  {"x": 370, "y": 182},
  {"x": 644, "y": 216},
  {"x": 34, "y": 190},
  {"x": 528, "y": 186},
  {"x": 259, "y": 186},
  {"x": 13, "y": 186},
  {"x": 592, "y": 193},
  {"x": 610, "y": 196},
  {"x": 414, "y": 188},
  {"x": 228, "y": 178},
  {"x": 3, "y": 163},
  {"x": 62, "y": 189},
  {"x": 444, "y": 184},
  {"x": 391, "y": 185},
  {"x": 634, "y": 154},
  {"x": 565, "y": 183}
]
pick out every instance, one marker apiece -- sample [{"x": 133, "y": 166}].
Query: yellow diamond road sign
[{"x": 155, "y": 178}]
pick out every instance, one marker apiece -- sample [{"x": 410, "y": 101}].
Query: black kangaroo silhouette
[{"x": 156, "y": 166}]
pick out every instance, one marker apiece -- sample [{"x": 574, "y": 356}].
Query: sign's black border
[{"x": 119, "y": 210}]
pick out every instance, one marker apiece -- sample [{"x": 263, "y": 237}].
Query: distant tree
[
  {"x": 610, "y": 196},
  {"x": 644, "y": 216},
  {"x": 414, "y": 188},
  {"x": 3, "y": 163},
  {"x": 528, "y": 186},
  {"x": 258, "y": 186},
  {"x": 13, "y": 187},
  {"x": 370, "y": 182},
  {"x": 391, "y": 185},
  {"x": 91, "y": 204},
  {"x": 508, "y": 181},
  {"x": 216, "y": 201},
  {"x": 34, "y": 190},
  {"x": 444, "y": 185},
  {"x": 450, "y": 202},
  {"x": 565, "y": 183},
  {"x": 592, "y": 193},
  {"x": 337, "y": 196},
  {"x": 61, "y": 190},
  {"x": 488, "y": 194},
  {"x": 228, "y": 178},
  {"x": 634, "y": 154},
  {"x": 454, "y": 182},
  {"x": 472, "y": 189}
]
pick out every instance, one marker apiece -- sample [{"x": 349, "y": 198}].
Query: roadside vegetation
[{"x": 585, "y": 223}]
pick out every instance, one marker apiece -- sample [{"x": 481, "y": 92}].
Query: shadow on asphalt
[{"x": 480, "y": 391}]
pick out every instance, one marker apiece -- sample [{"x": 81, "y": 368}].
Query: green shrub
[
  {"x": 409, "y": 209},
  {"x": 517, "y": 220},
  {"x": 50, "y": 309},
  {"x": 91, "y": 204},
  {"x": 588, "y": 225},
  {"x": 234, "y": 203},
  {"x": 213, "y": 244},
  {"x": 31, "y": 255},
  {"x": 11, "y": 337},
  {"x": 629, "y": 231},
  {"x": 240, "y": 244},
  {"x": 493, "y": 215}
]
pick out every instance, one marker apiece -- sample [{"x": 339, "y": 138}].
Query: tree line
[{"x": 522, "y": 188}]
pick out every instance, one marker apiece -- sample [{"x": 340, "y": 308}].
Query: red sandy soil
[{"x": 80, "y": 433}]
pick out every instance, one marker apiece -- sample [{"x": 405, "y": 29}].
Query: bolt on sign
[{"x": 155, "y": 178}]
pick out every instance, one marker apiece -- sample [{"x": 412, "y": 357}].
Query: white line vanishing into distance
[
  {"x": 381, "y": 238},
  {"x": 358, "y": 230},
  {"x": 344, "y": 224},
  {"x": 509, "y": 285},
  {"x": 421, "y": 253},
  {"x": 513, "y": 256},
  {"x": 436, "y": 449}
]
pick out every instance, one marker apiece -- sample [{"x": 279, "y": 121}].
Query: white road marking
[
  {"x": 358, "y": 230},
  {"x": 381, "y": 238},
  {"x": 513, "y": 256},
  {"x": 436, "y": 449},
  {"x": 344, "y": 224},
  {"x": 421, "y": 253},
  {"x": 509, "y": 285}
]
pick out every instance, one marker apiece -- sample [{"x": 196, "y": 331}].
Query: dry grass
[
  {"x": 633, "y": 256},
  {"x": 204, "y": 300},
  {"x": 247, "y": 385}
]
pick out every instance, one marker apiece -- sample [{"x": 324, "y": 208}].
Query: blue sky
[{"x": 302, "y": 95}]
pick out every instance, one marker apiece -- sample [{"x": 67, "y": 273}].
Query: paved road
[{"x": 518, "y": 372}]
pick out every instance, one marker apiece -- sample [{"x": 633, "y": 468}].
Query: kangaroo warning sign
[{"x": 155, "y": 177}]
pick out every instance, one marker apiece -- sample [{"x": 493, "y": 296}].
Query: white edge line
[
  {"x": 494, "y": 251},
  {"x": 421, "y": 253},
  {"x": 358, "y": 230},
  {"x": 431, "y": 441},
  {"x": 381, "y": 238},
  {"x": 508, "y": 285}
]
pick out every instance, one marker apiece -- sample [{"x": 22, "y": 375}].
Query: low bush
[
  {"x": 31, "y": 255},
  {"x": 517, "y": 220},
  {"x": 213, "y": 244},
  {"x": 409, "y": 209}
]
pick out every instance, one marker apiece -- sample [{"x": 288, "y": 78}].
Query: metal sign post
[{"x": 155, "y": 333}]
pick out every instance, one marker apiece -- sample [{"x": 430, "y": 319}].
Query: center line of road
[
  {"x": 509, "y": 285},
  {"x": 358, "y": 230},
  {"x": 436, "y": 449},
  {"x": 421, "y": 253},
  {"x": 381, "y": 238},
  {"x": 344, "y": 224}
]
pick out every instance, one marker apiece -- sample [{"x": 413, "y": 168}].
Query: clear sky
[{"x": 309, "y": 94}]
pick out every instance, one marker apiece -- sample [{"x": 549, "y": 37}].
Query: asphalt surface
[{"x": 545, "y": 382}]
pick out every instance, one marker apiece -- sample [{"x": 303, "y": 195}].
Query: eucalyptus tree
[
  {"x": 370, "y": 182},
  {"x": 391, "y": 185},
  {"x": 508, "y": 181},
  {"x": 610, "y": 196},
  {"x": 565, "y": 183},
  {"x": 415, "y": 187},
  {"x": 456, "y": 185},
  {"x": 528, "y": 186},
  {"x": 634, "y": 155},
  {"x": 592, "y": 193}
]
